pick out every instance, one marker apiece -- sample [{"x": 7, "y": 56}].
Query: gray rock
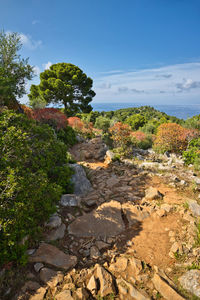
[
  {"x": 94, "y": 252},
  {"x": 54, "y": 222},
  {"x": 47, "y": 274},
  {"x": 81, "y": 184},
  {"x": 52, "y": 256},
  {"x": 38, "y": 266},
  {"x": 110, "y": 155},
  {"x": 194, "y": 207},
  {"x": 56, "y": 234},
  {"x": 69, "y": 200},
  {"x": 191, "y": 282}
]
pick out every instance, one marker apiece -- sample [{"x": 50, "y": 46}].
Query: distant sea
[{"x": 179, "y": 111}]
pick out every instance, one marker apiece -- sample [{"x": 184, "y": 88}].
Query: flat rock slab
[
  {"x": 106, "y": 220},
  {"x": 191, "y": 282},
  {"x": 51, "y": 255}
]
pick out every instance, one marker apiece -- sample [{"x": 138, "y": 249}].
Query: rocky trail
[{"x": 127, "y": 232}]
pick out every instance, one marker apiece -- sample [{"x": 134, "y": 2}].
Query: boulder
[
  {"x": 81, "y": 184},
  {"x": 194, "y": 207},
  {"x": 191, "y": 282}
]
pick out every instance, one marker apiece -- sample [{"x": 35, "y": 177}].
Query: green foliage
[
  {"x": 64, "y": 84},
  {"x": 146, "y": 143},
  {"x": 102, "y": 123},
  {"x": 136, "y": 121},
  {"x": 34, "y": 173},
  {"x": 14, "y": 71},
  {"x": 193, "y": 122},
  {"x": 67, "y": 135},
  {"x": 192, "y": 154}
]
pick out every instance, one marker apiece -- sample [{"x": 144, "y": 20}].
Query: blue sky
[{"x": 144, "y": 51}]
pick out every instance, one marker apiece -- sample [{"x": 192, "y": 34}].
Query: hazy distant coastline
[{"x": 179, "y": 111}]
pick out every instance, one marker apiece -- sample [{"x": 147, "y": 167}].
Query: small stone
[
  {"x": 70, "y": 200},
  {"x": 153, "y": 194},
  {"x": 54, "y": 222},
  {"x": 30, "y": 251},
  {"x": 39, "y": 295},
  {"x": 64, "y": 295},
  {"x": 171, "y": 233},
  {"x": 124, "y": 286},
  {"x": 136, "y": 265},
  {"x": 56, "y": 234},
  {"x": 161, "y": 212},
  {"x": 92, "y": 285},
  {"x": 120, "y": 265},
  {"x": 168, "y": 208},
  {"x": 105, "y": 280},
  {"x": 174, "y": 247},
  {"x": 94, "y": 252},
  {"x": 47, "y": 274},
  {"x": 81, "y": 294},
  {"x": 38, "y": 266},
  {"x": 101, "y": 245},
  {"x": 31, "y": 286}
]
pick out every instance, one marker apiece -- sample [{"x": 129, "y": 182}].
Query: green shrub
[
  {"x": 192, "y": 154},
  {"x": 102, "y": 123},
  {"x": 34, "y": 173},
  {"x": 67, "y": 135}
]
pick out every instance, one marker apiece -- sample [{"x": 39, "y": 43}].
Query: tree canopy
[
  {"x": 14, "y": 70},
  {"x": 64, "y": 84}
]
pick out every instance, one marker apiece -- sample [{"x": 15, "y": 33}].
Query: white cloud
[
  {"x": 36, "y": 70},
  {"x": 28, "y": 42},
  {"x": 154, "y": 85},
  {"x": 47, "y": 65}
]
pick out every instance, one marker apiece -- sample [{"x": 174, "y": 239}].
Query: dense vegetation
[{"x": 34, "y": 173}]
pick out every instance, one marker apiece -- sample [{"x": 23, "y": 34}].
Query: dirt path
[{"x": 116, "y": 226}]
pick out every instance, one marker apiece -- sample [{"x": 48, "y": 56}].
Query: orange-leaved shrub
[
  {"x": 83, "y": 128},
  {"x": 75, "y": 123},
  {"x": 121, "y": 134},
  {"x": 28, "y": 111},
  {"x": 171, "y": 137},
  {"x": 51, "y": 116}
]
